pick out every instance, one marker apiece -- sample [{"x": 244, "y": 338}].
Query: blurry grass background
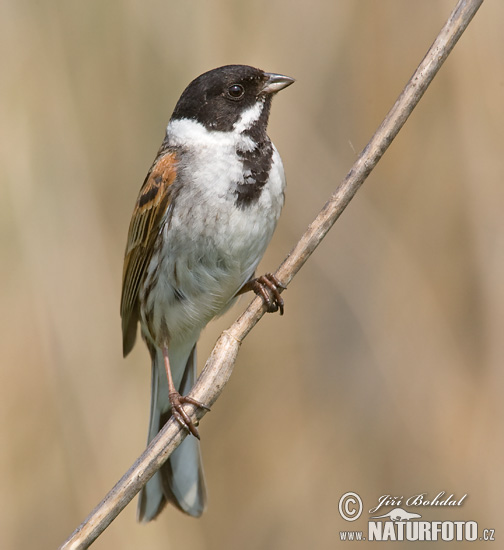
[{"x": 385, "y": 376}]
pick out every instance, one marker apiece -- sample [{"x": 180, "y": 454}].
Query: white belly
[{"x": 210, "y": 248}]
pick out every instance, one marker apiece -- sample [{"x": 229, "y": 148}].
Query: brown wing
[{"x": 148, "y": 217}]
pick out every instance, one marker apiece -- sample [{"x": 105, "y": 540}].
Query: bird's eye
[{"x": 236, "y": 91}]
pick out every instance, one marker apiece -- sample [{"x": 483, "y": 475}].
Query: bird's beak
[{"x": 276, "y": 82}]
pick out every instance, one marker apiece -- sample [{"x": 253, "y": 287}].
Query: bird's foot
[
  {"x": 268, "y": 287},
  {"x": 177, "y": 401}
]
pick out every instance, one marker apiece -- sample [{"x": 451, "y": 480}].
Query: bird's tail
[{"x": 180, "y": 480}]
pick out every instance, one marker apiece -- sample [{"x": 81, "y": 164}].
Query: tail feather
[{"x": 180, "y": 480}]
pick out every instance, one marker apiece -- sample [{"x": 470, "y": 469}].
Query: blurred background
[{"x": 385, "y": 374}]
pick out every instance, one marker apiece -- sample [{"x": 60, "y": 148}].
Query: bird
[{"x": 204, "y": 216}]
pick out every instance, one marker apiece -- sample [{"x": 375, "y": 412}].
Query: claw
[
  {"x": 176, "y": 401},
  {"x": 267, "y": 286}
]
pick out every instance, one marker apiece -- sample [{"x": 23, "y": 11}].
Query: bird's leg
[
  {"x": 177, "y": 400},
  {"x": 268, "y": 287}
]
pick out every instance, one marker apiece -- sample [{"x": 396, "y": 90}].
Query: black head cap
[{"x": 218, "y": 98}]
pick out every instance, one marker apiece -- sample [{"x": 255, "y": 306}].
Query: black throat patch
[
  {"x": 256, "y": 169},
  {"x": 256, "y": 163}
]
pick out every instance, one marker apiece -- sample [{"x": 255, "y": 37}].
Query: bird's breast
[{"x": 211, "y": 244}]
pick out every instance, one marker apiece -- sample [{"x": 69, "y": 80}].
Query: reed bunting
[{"x": 202, "y": 221}]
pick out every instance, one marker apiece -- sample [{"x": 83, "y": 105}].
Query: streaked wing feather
[{"x": 151, "y": 210}]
